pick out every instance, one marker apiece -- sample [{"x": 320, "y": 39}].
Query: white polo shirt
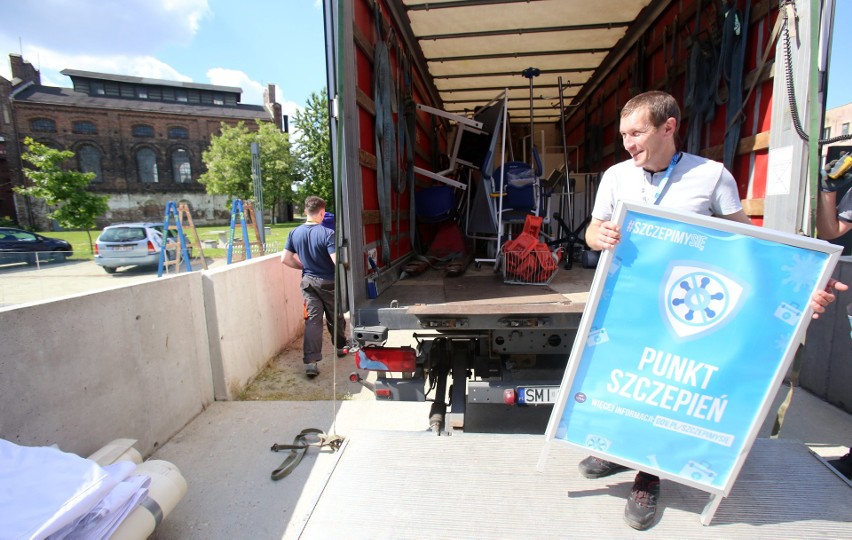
[{"x": 696, "y": 184}]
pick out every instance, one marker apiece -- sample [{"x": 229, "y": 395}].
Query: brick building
[{"x": 143, "y": 138}]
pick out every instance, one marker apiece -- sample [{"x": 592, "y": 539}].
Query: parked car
[
  {"x": 18, "y": 245},
  {"x": 130, "y": 244}
]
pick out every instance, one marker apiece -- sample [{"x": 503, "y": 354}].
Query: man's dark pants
[{"x": 319, "y": 300}]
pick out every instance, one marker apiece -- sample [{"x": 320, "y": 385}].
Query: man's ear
[{"x": 671, "y": 125}]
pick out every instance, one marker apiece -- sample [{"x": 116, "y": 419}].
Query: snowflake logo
[
  {"x": 801, "y": 272},
  {"x": 597, "y": 442}
]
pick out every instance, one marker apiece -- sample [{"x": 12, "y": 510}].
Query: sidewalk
[{"x": 225, "y": 457}]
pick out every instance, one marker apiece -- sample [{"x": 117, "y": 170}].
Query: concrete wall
[
  {"x": 827, "y": 366},
  {"x": 138, "y": 361},
  {"x": 254, "y": 308}
]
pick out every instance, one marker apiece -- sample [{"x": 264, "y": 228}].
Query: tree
[
  {"x": 228, "y": 162},
  {"x": 74, "y": 207},
  {"x": 314, "y": 150}
]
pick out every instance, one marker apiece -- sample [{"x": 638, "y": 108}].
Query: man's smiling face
[{"x": 650, "y": 147}]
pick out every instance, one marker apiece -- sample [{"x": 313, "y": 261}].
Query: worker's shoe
[
  {"x": 593, "y": 467},
  {"x": 311, "y": 370},
  {"x": 343, "y": 351},
  {"x": 843, "y": 464},
  {"x": 641, "y": 506}
]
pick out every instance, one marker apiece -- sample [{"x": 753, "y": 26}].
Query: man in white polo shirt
[{"x": 657, "y": 173}]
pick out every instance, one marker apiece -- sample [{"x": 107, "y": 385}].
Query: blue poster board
[{"x": 691, "y": 324}]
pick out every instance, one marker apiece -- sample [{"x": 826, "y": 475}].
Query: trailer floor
[
  {"x": 394, "y": 480},
  {"x": 481, "y": 486}
]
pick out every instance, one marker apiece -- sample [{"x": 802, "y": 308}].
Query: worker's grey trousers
[{"x": 319, "y": 300}]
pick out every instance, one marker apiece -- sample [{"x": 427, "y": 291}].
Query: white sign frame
[{"x": 606, "y": 265}]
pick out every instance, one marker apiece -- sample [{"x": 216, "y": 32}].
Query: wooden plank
[
  {"x": 365, "y": 102},
  {"x": 753, "y": 207},
  {"x": 367, "y": 159},
  {"x": 746, "y": 146}
]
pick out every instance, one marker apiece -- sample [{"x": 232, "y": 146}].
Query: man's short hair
[
  {"x": 660, "y": 106},
  {"x": 314, "y": 204}
]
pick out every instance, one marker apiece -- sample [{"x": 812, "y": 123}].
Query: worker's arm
[
  {"x": 828, "y": 226},
  {"x": 290, "y": 259},
  {"x": 739, "y": 216}
]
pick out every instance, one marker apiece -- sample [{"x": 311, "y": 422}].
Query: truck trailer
[{"x": 469, "y": 136}]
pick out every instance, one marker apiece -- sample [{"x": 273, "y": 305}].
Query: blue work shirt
[{"x": 314, "y": 245}]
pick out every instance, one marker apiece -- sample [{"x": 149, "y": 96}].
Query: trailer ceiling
[{"x": 476, "y": 48}]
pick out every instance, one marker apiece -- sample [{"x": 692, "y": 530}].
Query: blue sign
[{"x": 691, "y": 325}]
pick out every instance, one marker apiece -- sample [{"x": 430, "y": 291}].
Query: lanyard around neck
[{"x": 659, "y": 193}]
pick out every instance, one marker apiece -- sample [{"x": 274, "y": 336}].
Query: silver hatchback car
[{"x": 129, "y": 244}]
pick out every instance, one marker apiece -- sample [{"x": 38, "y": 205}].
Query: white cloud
[
  {"x": 58, "y": 34},
  {"x": 119, "y": 37},
  {"x": 128, "y": 27},
  {"x": 252, "y": 90}
]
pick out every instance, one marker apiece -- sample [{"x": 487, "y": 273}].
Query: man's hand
[
  {"x": 609, "y": 234},
  {"x": 821, "y": 299},
  {"x": 837, "y": 174}
]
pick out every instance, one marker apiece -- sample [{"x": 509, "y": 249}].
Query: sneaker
[
  {"x": 344, "y": 350},
  {"x": 311, "y": 370},
  {"x": 843, "y": 464},
  {"x": 641, "y": 506},
  {"x": 593, "y": 467}
]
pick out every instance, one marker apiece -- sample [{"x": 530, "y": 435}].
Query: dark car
[{"x": 17, "y": 245}]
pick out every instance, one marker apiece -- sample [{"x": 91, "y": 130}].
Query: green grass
[{"x": 274, "y": 240}]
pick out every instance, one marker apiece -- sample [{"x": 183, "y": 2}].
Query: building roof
[
  {"x": 147, "y": 80},
  {"x": 52, "y": 95}
]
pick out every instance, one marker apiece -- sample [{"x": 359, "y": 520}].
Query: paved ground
[{"x": 20, "y": 283}]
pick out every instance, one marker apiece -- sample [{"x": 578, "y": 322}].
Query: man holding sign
[{"x": 657, "y": 173}]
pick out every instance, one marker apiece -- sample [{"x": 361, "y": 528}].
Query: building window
[
  {"x": 844, "y": 129},
  {"x": 141, "y": 92},
  {"x": 218, "y": 99},
  {"x": 146, "y": 166},
  {"x": 97, "y": 88},
  {"x": 84, "y": 127},
  {"x": 90, "y": 162},
  {"x": 180, "y": 95},
  {"x": 143, "y": 130},
  {"x": 181, "y": 167},
  {"x": 43, "y": 125},
  {"x": 178, "y": 133},
  {"x": 826, "y": 133}
]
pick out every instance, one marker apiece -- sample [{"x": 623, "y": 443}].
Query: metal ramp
[{"x": 420, "y": 486}]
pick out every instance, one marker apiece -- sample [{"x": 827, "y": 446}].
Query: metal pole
[
  {"x": 258, "y": 190},
  {"x": 565, "y": 156},
  {"x": 530, "y": 73}
]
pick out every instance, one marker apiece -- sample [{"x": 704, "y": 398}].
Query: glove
[{"x": 837, "y": 174}]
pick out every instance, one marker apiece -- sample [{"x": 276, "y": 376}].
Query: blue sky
[
  {"x": 247, "y": 44},
  {"x": 839, "y": 75}
]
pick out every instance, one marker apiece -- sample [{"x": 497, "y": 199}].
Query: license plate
[
  {"x": 537, "y": 395},
  {"x": 122, "y": 248}
]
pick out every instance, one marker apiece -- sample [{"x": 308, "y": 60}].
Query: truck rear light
[
  {"x": 509, "y": 396},
  {"x": 386, "y": 359},
  {"x": 383, "y": 392}
]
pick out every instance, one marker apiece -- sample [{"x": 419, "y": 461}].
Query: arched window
[
  {"x": 143, "y": 130},
  {"x": 146, "y": 166},
  {"x": 181, "y": 168},
  {"x": 43, "y": 125},
  {"x": 84, "y": 127},
  {"x": 178, "y": 133},
  {"x": 90, "y": 161}
]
